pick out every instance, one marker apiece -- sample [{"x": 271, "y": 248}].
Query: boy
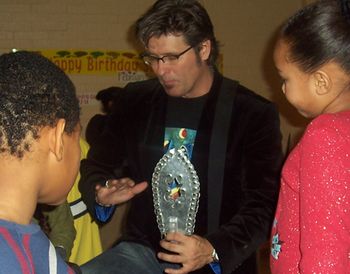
[{"x": 39, "y": 157}]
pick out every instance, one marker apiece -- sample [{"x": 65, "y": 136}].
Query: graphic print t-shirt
[{"x": 182, "y": 122}]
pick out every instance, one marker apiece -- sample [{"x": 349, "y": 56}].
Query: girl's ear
[
  {"x": 56, "y": 139},
  {"x": 322, "y": 82}
]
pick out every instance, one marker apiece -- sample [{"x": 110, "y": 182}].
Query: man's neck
[{"x": 203, "y": 84}]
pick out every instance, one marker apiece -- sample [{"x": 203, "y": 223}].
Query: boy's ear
[
  {"x": 56, "y": 139},
  {"x": 322, "y": 82}
]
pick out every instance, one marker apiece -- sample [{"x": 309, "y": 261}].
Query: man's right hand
[{"x": 118, "y": 191}]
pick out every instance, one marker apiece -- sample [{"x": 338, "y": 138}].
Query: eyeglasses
[{"x": 152, "y": 60}]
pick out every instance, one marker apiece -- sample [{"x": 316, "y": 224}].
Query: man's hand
[
  {"x": 193, "y": 252},
  {"x": 118, "y": 191}
]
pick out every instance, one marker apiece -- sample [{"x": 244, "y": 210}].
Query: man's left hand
[{"x": 192, "y": 252}]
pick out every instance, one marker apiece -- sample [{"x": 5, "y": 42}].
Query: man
[{"x": 238, "y": 187}]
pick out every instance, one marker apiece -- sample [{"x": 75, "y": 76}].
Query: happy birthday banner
[{"x": 103, "y": 62}]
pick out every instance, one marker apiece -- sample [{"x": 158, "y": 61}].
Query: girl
[{"x": 311, "y": 230}]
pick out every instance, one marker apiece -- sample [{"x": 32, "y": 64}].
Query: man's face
[{"x": 189, "y": 76}]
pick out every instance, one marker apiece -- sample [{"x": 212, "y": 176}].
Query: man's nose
[{"x": 160, "y": 68}]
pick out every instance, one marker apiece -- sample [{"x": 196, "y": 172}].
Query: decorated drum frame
[{"x": 176, "y": 191}]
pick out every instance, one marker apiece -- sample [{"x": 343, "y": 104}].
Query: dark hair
[
  {"x": 34, "y": 93},
  {"x": 108, "y": 95},
  {"x": 317, "y": 34},
  {"x": 178, "y": 17}
]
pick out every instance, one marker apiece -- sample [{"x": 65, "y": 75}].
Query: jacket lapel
[{"x": 151, "y": 144}]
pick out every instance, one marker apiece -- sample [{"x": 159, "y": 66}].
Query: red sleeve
[{"x": 324, "y": 201}]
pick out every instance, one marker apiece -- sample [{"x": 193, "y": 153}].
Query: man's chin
[{"x": 171, "y": 91}]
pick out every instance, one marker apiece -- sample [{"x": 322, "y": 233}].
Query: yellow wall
[{"x": 246, "y": 30}]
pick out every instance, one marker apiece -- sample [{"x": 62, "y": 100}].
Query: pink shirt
[{"x": 311, "y": 230}]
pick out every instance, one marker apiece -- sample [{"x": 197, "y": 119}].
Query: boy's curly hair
[{"x": 34, "y": 93}]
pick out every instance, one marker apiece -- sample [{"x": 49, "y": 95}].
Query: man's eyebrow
[{"x": 163, "y": 54}]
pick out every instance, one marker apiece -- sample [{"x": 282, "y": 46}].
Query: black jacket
[{"x": 251, "y": 176}]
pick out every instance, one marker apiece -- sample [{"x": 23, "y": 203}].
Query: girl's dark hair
[
  {"x": 319, "y": 33},
  {"x": 178, "y": 17},
  {"x": 34, "y": 93}
]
